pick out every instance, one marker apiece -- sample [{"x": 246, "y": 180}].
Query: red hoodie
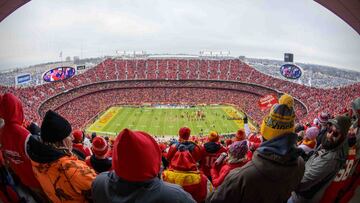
[
  {"x": 13, "y": 140},
  {"x": 218, "y": 177},
  {"x": 210, "y": 152}
]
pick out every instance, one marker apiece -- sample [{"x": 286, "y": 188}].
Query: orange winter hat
[{"x": 213, "y": 136}]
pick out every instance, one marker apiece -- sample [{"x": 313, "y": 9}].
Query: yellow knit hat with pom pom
[{"x": 280, "y": 119}]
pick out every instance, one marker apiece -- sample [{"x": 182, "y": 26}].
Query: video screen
[
  {"x": 290, "y": 71},
  {"x": 60, "y": 73}
]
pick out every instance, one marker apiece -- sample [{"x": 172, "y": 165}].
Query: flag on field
[{"x": 267, "y": 101}]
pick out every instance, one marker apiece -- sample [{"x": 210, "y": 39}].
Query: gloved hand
[{"x": 245, "y": 119}]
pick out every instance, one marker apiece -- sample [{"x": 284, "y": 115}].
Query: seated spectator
[
  {"x": 276, "y": 168},
  {"x": 62, "y": 176},
  {"x": 194, "y": 149},
  {"x": 323, "y": 119},
  {"x": 111, "y": 146},
  {"x": 78, "y": 147},
  {"x": 322, "y": 166},
  {"x": 237, "y": 158},
  {"x": 136, "y": 163},
  {"x": 308, "y": 144},
  {"x": 99, "y": 161},
  {"x": 184, "y": 172},
  {"x": 13, "y": 141},
  {"x": 211, "y": 150}
]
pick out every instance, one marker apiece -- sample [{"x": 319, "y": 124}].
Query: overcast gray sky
[{"x": 41, "y": 29}]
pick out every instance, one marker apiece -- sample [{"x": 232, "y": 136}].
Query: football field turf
[{"x": 166, "y": 121}]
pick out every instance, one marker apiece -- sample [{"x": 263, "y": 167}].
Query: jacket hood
[
  {"x": 11, "y": 109},
  {"x": 281, "y": 146},
  {"x": 183, "y": 161},
  {"x": 125, "y": 191},
  {"x": 212, "y": 147},
  {"x": 136, "y": 156},
  {"x": 41, "y": 153},
  {"x": 188, "y": 145}
]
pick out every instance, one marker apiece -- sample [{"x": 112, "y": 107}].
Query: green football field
[{"x": 166, "y": 121}]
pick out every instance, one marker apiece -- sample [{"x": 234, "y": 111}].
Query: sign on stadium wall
[
  {"x": 82, "y": 67},
  {"x": 59, "y": 73},
  {"x": 22, "y": 79},
  {"x": 267, "y": 101},
  {"x": 290, "y": 71}
]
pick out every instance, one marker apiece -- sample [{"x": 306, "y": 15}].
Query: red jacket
[
  {"x": 210, "y": 152},
  {"x": 219, "y": 176},
  {"x": 13, "y": 140},
  {"x": 345, "y": 182},
  {"x": 183, "y": 171}
]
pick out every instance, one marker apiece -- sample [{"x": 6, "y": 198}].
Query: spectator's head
[
  {"x": 56, "y": 130},
  {"x": 93, "y": 135},
  {"x": 11, "y": 109},
  {"x": 99, "y": 147},
  {"x": 184, "y": 133},
  {"x": 213, "y": 136},
  {"x": 183, "y": 160},
  {"x": 78, "y": 136},
  {"x": 136, "y": 156},
  {"x": 240, "y": 135},
  {"x": 280, "y": 121},
  {"x": 323, "y": 118},
  {"x": 336, "y": 132},
  {"x": 311, "y": 133},
  {"x": 238, "y": 150}
]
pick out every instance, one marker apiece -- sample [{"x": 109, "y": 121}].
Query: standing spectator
[
  {"x": 13, "y": 141},
  {"x": 194, "y": 149},
  {"x": 136, "y": 163},
  {"x": 78, "y": 147},
  {"x": 184, "y": 172},
  {"x": 62, "y": 176},
  {"x": 308, "y": 144},
  {"x": 237, "y": 158},
  {"x": 322, "y": 119},
  {"x": 99, "y": 161},
  {"x": 347, "y": 180},
  {"x": 326, "y": 161},
  {"x": 210, "y": 152},
  {"x": 276, "y": 168}
]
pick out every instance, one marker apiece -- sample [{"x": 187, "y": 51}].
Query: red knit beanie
[
  {"x": 240, "y": 135},
  {"x": 184, "y": 133},
  {"x": 136, "y": 156},
  {"x": 99, "y": 146},
  {"x": 78, "y": 136}
]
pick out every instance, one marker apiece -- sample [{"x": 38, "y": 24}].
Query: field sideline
[{"x": 167, "y": 121}]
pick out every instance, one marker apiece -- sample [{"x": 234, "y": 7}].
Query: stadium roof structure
[
  {"x": 9, "y": 6},
  {"x": 348, "y": 10}
]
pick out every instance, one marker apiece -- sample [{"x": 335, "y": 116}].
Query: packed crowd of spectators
[{"x": 316, "y": 100}]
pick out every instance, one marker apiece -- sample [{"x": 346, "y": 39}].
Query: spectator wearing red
[
  {"x": 78, "y": 147},
  {"x": 237, "y": 158},
  {"x": 99, "y": 161},
  {"x": 194, "y": 149},
  {"x": 240, "y": 135},
  {"x": 111, "y": 146},
  {"x": 136, "y": 162},
  {"x": 13, "y": 141},
  {"x": 184, "y": 172},
  {"x": 211, "y": 150}
]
